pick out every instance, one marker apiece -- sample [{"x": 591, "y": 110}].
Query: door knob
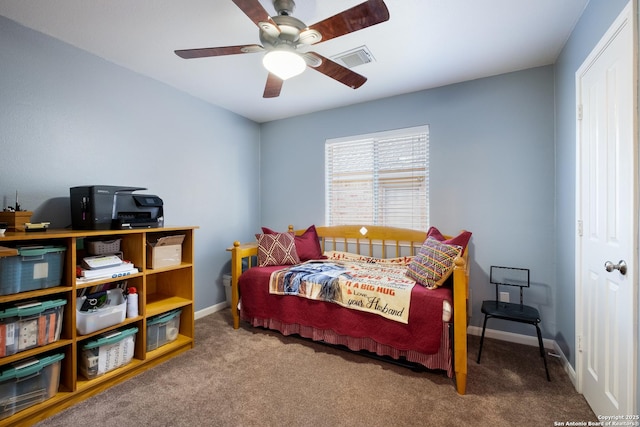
[{"x": 621, "y": 266}]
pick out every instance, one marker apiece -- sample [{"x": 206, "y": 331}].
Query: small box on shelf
[
  {"x": 15, "y": 220},
  {"x": 164, "y": 251}
]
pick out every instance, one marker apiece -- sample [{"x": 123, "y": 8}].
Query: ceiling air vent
[{"x": 354, "y": 57}]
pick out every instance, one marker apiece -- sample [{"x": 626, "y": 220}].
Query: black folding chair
[{"x": 510, "y": 276}]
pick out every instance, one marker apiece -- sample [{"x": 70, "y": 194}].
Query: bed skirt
[{"x": 442, "y": 360}]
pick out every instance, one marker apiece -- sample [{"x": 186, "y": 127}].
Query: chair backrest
[{"x": 509, "y": 276}]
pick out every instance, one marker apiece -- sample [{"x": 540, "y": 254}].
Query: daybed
[{"x": 431, "y": 336}]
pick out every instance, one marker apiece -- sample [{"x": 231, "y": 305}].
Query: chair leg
[
  {"x": 544, "y": 358},
  {"x": 484, "y": 326}
]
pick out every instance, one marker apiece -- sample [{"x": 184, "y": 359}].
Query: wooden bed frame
[{"x": 381, "y": 242}]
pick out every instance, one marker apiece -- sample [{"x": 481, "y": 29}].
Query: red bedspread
[{"x": 422, "y": 334}]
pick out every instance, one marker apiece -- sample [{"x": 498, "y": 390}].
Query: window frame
[{"x": 380, "y": 185}]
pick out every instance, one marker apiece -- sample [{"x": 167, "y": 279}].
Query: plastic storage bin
[
  {"x": 102, "y": 247},
  {"x": 28, "y": 382},
  {"x": 35, "y": 267},
  {"x": 226, "y": 283},
  {"x": 107, "y": 352},
  {"x": 111, "y": 313},
  {"x": 30, "y": 324},
  {"x": 163, "y": 329}
]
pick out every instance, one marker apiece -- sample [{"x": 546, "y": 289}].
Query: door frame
[{"x": 628, "y": 16}]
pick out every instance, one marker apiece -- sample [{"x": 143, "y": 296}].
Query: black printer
[{"x": 103, "y": 207}]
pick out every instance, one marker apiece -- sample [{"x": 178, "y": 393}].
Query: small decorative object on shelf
[
  {"x": 15, "y": 217},
  {"x": 15, "y": 220},
  {"x": 39, "y": 226}
]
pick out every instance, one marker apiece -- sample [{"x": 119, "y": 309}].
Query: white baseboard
[
  {"x": 571, "y": 373},
  {"x": 210, "y": 310}
]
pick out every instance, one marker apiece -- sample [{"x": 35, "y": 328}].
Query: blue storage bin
[
  {"x": 28, "y": 382},
  {"x": 35, "y": 267}
]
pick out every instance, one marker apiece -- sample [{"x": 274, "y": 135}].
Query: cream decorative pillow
[{"x": 350, "y": 256}]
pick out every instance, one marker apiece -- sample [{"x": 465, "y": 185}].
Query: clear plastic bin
[
  {"x": 107, "y": 352},
  {"x": 35, "y": 267},
  {"x": 111, "y": 313},
  {"x": 30, "y": 324},
  {"x": 163, "y": 329},
  {"x": 28, "y": 382}
]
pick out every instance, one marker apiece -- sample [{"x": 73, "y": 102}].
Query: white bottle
[{"x": 132, "y": 302}]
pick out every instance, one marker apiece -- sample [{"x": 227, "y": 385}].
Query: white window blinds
[{"x": 379, "y": 179}]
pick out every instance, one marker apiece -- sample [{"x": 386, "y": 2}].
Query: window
[{"x": 379, "y": 179}]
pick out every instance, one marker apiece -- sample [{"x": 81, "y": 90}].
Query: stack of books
[{"x": 94, "y": 268}]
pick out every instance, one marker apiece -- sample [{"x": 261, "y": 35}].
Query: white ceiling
[{"x": 425, "y": 44}]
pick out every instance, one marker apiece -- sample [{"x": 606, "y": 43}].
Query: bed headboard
[{"x": 370, "y": 240}]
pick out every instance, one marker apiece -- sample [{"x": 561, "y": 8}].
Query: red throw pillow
[
  {"x": 461, "y": 239},
  {"x": 307, "y": 244}
]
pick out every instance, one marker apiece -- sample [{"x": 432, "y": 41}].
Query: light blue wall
[
  {"x": 595, "y": 21},
  {"x": 68, "y": 118},
  {"x": 491, "y": 172}
]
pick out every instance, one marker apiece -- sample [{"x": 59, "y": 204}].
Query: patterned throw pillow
[
  {"x": 433, "y": 263},
  {"x": 307, "y": 244},
  {"x": 276, "y": 249}
]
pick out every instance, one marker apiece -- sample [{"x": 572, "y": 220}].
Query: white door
[{"x": 606, "y": 323}]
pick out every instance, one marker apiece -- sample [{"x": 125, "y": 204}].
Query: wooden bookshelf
[{"x": 160, "y": 291}]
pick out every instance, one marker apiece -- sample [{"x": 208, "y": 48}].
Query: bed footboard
[{"x": 460, "y": 317}]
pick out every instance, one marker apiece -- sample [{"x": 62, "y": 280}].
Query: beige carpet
[{"x": 252, "y": 377}]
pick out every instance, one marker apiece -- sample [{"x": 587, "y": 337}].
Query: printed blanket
[{"x": 381, "y": 289}]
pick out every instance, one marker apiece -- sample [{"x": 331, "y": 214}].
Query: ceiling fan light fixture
[{"x": 284, "y": 63}]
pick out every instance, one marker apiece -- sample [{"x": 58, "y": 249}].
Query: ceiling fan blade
[
  {"x": 218, "y": 51},
  {"x": 364, "y": 15},
  {"x": 334, "y": 70},
  {"x": 254, "y": 10},
  {"x": 273, "y": 86}
]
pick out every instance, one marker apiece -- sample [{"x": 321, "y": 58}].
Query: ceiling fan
[{"x": 285, "y": 40}]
